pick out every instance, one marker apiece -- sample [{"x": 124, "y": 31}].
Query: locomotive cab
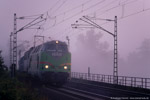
[
  {"x": 51, "y": 62},
  {"x": 57, "y": 61}
]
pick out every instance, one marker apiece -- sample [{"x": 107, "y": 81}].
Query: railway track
[
  {"x": 68, "y": 93},
  {"x": 112, "y": 93},
  {"x": 86, "y": 91},
  {"x": 79, "y": 90},
  {"x": 90, "y": 95}
]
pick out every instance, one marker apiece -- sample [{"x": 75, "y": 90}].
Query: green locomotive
[{"x": 51, "y": 62}]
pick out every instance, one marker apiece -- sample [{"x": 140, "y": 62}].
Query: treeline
[
  {"x": 91, "y": 51},
  {"x": 12, "y": 88}
]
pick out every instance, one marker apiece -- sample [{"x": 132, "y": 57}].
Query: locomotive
[{"x": 50, "y": 62}]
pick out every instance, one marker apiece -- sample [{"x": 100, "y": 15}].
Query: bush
[{"x": 12, "y": 88}]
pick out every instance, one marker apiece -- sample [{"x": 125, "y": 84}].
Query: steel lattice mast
[
  {"x": 13, "y": 51},
  {"x": 115, "y": 70},
  {"x": 14, "y": 63},
  {"x": 11, "y": 34},
  {"x": 88, "y": 20}
]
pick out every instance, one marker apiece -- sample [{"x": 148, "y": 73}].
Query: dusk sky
[{"x": 133, "y": 21}]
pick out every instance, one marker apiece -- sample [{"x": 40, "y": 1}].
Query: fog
[
  {"x": 94, "y": 53},
  {"x": 89, "y": 47}
]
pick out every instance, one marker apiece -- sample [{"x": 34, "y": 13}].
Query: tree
[
  {"x": 144, "y": 50},
  {"x": 138, "y": 61},
  {"x": 92, "y": 52},
  {"x": 1, "y": 59},
  {"x": 3, "y": 68}
]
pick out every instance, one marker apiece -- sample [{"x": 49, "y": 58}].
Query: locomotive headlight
[
  {"x": 46, "y": 66},
  {"x": 57, "y": 42},
  {"x": 65, "y": 67}
]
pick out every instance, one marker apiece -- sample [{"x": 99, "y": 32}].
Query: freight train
[{"x": 50, "y": 62}]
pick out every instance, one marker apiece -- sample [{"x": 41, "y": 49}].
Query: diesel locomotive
[{"x": 50, "y": 62}]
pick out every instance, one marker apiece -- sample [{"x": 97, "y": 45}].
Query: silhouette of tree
[
  {"x": 140, "y": 60},
  {"x": 92, "y": 52},
  {"x": 1, "y": 59},
  {"x": 3, "y": 68},
  {"x": 144, "y": 49}
]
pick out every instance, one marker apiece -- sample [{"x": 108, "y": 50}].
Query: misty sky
[{"x": 133, "y": 21}]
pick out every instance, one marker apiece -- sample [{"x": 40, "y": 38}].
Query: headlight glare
[
  {"x": 65, "y": 67},
  {"x": 46, "y": 66}
]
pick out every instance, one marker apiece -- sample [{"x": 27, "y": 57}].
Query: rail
[{"x": 122, "y": 80}]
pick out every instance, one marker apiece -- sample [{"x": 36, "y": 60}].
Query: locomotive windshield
[
  {"x": 51, "y": 47},
  {"x": 62, "y": 47},
  {"x": 57, "y": 47}
]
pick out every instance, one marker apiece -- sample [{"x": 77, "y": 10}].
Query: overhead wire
[
  {"x": 70, "y": 10},
  {"x": 47, "y": 16},
  {"x": 83, "y": 9},
  {"x": 76, "y": 14},
  {"x": 65, "y": 33},
  {"x": 52, "y": 6},
  {"x": 30, "y": 17},
  {"x": 87, "y": 9},
  {"x": 144, "y": 5},
  {"x": 35, "y": 17},
  {"x": 90, "y": 7},
  {"x": 105, "y": 11},
  {"x": 122, "y": 17},
  {"x": 39, "y": 15},
  {"x": 76, "y": 33},
  {"x": 63, "y": 36},
  {"x": 110, "y": 3},
  {"x": 62, "y": 32},
  {"x": 124, "y": 3},
  {"x": 141, "y": 11},
  {"x": 66, "y": 11},
  {"x": 52, "y": 13},
  {"x": 135, "y": 13},
  {"x": 59, "y": 6}
]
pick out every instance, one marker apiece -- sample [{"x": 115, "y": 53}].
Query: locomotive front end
[{"x": 55, "y": 62}]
